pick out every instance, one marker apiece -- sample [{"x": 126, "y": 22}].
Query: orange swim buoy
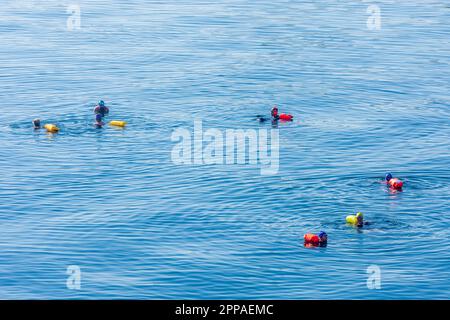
[
  {"x": 286, "y": 117},
  {"x": 311, "y": 238},
  {"x": 395, "y": 183}
]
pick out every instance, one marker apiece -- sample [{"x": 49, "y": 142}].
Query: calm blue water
[{"x": 112, "y": 202}]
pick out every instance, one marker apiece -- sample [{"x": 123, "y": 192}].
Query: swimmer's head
[
  {"x": 360, "y": 218},
  {"x": 274, "y": 111},
  {"x": 388, "y": 177},
  {"x": 98, "y": 117},
  {"x": 323, "y": 237},
  {"x": 101, "y": 103},
  {"x": 37, "y": 123}
]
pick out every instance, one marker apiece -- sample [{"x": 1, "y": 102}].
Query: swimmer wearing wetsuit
[
  {"x": 36, "y": 124},
  {"x": 357, "y": 220},
  {"x": 101, "y": 109},
  {"x": 394, "y": 182},
  {"x": 274, "y": 113},
  {"x": 319, "y": 239}
]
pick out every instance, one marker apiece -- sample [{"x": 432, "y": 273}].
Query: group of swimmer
[
  {"x": 357, "y": 220},
  {"x": 100, "y": 112},
  {"x": 320, "y": 239},
  {"x": 310, "y": 239}
]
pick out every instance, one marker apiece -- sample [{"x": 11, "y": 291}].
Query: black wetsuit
[{"x": 103, "y": 110}]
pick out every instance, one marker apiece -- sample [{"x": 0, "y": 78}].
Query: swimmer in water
[
  {"x": 99, "y": 121},
  {"x": 320, "y": 239},
  {"x": 394, "y": 182},
  {"x": 100, "y": 108},
  {"x": 274, "y": 116},
  {"x": 37, "y": 123},
  {"x": 357, "y": 220},
  {"x": 274, "y": 113}
]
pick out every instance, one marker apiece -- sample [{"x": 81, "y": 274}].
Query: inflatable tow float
[
  {"x": 118, "y": 123},
  {"x": 282, "y": 116},
  {"x": 356, "y": 220},
  {"x": 394, "y": 183},
  {"x": 286, "y": 117},
  {"x": 315, "y": 239},
  {"x": 52, "y": 128}
]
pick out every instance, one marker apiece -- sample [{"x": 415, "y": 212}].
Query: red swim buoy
[
  {"x": 311, "y": 238},
  {"x": 395, "y": 183},
  {"x": 286, "y": 117}
]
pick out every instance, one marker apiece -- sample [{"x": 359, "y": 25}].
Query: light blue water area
[{"x": 112, "y": 201}]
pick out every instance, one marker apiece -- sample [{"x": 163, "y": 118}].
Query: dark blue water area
[{"x": 112, "y": 201}]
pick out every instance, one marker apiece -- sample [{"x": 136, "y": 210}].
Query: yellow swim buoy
[
  {"x": 118, "y": 123},
  {"x": 355, "y": 219},
  {"x": 51, "y": 128}
]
